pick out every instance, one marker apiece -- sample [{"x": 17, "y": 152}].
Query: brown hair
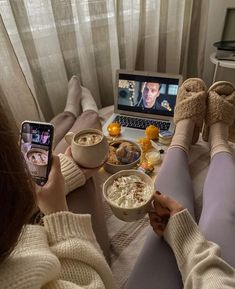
[{"x": 16, "y": 188}]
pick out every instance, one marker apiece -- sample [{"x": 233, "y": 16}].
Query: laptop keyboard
[{"x": 138, "y": 123}]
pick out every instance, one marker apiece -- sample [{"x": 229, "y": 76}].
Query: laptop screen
[{"x": 147, "y": 94}]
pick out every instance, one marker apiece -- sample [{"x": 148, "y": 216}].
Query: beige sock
[
  {"x": 88, "y": 102},
  {"x": 218, "y": 138},
  {"x": 183, "y": 135},
  {"x": 73, "y": 103}
]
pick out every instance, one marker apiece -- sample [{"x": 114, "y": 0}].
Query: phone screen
[{"x": 36, "y": 146}]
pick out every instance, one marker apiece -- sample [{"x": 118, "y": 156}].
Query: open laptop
[{"x": 142, "y": 98}]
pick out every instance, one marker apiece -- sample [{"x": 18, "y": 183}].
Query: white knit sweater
[
  {"x": 64, "y": 254},
  {"x": 198, "y": 259},
  {"x": 72, "y": 174}
]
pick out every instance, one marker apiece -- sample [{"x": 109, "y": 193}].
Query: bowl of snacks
[
  {"x": 129, "y": 194},
  {"x": 123, "y": 155}
]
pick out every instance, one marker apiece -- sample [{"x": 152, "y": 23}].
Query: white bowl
[
  {"x": 113, "y": 168},
  {"x": 129, "y": 214}
]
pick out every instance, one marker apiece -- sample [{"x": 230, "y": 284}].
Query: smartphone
[{"x": 36, "y": 139}]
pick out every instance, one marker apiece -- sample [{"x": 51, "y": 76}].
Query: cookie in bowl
[{"x": 123, "y": 155}]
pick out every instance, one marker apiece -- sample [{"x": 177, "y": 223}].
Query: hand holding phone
[
  {"x": 51, "y": 197},
  {"x": 36, "y": 141}
]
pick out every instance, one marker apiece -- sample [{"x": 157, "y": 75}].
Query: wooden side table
[{"x": 220, "y": 63}]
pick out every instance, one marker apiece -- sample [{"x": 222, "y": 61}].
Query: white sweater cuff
[
  {"x": 65, "y": 225},
  {"x": 73, "y": 175},
  {"x": 181, "y": 234}
]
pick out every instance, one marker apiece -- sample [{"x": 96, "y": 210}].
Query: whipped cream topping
[{"x": 129, "y": 192}]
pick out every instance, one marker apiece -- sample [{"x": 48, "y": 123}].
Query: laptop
[{"x": 143, "y": 98}]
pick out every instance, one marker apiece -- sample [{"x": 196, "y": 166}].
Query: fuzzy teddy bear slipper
[
  {"x": 220, "y": 106},
  {"x": 191, "y": 103}
]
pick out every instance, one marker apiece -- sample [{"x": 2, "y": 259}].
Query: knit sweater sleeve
[
  {"x": 73, "y": 175},
  {"x": 198, "y": 259},
  {"x": 72, "y": 240}
]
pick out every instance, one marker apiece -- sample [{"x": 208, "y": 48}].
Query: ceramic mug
[
  {"x": 88, "y": 155},
  {"x": 133, "y": 213}
]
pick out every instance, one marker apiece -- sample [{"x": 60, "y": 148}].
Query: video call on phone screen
[{"x": 35, "y": 147}]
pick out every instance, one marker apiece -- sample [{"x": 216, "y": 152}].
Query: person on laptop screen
[{"x": 150, "y": 93}]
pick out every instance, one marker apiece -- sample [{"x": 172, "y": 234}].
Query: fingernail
[{"x": 158, "y": 193}]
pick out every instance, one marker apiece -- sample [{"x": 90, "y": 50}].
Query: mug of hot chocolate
[
  {"x": 37, "y": 160},
  {"x": 129, "y": 194},
  {"x": 89, "y": 147}
]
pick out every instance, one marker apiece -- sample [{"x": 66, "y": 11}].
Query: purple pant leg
[
  {"x": 217, "y": 220},
  {"x": 174, "y": 178},
  {"x": 156, "y": 266}
]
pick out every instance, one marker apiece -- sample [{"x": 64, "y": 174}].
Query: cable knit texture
[
  {"x": 73, "y": 175},
  {"x": 63, "y": 254},
  {"x": 198, "y": 259}
]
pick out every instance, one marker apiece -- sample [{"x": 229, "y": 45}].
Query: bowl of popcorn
[
  {"x": 123, "y": 155},
  {"x": 129, "y": 194}
]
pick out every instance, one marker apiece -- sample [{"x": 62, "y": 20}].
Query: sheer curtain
[{"x": 45, "y": 42}]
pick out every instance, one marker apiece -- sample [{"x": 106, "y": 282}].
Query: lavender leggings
[{"x": 156, "y": 267}]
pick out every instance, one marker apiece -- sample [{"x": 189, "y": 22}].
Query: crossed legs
[{"x": 81, "y": 113}]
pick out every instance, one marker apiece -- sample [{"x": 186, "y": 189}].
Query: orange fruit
[{"x": 152, "y": 132}]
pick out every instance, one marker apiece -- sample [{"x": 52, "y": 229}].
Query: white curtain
[{"x": 50, "y": 40}]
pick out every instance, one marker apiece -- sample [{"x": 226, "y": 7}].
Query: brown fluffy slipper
[
  {"x": 220, "y": 106},
  {"x": 191, "y": 104}
]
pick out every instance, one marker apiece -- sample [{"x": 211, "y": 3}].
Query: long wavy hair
[{"x": 16, "y": 186}]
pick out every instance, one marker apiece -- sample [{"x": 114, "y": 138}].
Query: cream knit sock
[
  {"x": 73, "y": 103},
  {"x": 88, "y": 102},
  {"x": 218, "y": 138},
  {"x": 183, "y": 135}
]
